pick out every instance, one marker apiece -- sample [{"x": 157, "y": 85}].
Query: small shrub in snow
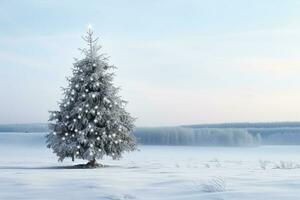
[
  {"x": 286, "y": 165},
  {"x": 217, "y": 162},
  {"x": 206, "y": 165},
  {"x": 264, "y": 163},
  {"x": 216, "y": 184}
]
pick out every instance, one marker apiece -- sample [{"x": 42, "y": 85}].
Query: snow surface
[{"x": 28, "y": 170}]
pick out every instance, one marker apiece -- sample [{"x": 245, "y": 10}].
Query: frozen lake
[{"x": 28, "y": 170}]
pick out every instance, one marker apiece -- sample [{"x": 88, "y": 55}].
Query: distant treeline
[
  {"x": 218, "y": 136},
  {"x": 199, "y": 137},
  {"x": 275, "y": 136},
  {"x": 230, "y": 134},
  {"x": 30, "y": 128},
  {"x": 247, "y": 125}
]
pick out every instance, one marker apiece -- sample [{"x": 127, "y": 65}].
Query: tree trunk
[{"x": 93, "y": 164}]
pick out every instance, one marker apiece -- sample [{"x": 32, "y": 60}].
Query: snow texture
[{"x": 29, "y": 171}]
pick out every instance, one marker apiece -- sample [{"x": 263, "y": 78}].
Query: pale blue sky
[{"x": 179, "y": 62}]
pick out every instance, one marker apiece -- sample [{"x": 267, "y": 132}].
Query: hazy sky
[{"x": 179, "y": 62}]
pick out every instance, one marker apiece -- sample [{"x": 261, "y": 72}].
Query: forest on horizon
[{"x": 226, "y": 134}]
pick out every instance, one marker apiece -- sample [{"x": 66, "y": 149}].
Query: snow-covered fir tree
[{"x": 91, "y": 121}]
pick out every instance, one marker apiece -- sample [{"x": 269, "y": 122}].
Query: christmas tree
[{"x": 92, "y": 121}]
